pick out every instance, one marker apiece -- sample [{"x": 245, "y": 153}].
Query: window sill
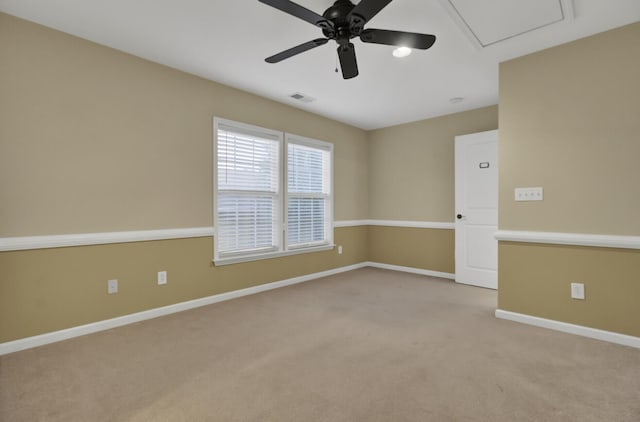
[{"x": 248, "y": 258}]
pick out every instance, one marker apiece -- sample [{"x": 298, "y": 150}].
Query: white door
[{"x": 476, "y": 220}]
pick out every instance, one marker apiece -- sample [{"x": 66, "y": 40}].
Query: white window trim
[{"x": 282, "y": 249}]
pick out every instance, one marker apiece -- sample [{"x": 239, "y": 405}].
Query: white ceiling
[{"x": 227, "y": 41}]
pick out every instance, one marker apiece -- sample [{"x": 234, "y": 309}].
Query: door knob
[{"x": 459, "y": 216}]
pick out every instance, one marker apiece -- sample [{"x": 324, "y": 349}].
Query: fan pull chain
[{"x": 336, "y": 62}]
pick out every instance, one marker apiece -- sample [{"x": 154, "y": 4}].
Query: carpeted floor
[{"x": 368, "y": 345}]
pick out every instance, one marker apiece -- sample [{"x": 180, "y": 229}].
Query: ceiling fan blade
[
  {"x": 296, "y": 50},
  {"x": 299, "y": 12},
  {"x": 399, "y": 38},
  {"x": 348, "y": 63},
  {"x": 369, "y": 8}
]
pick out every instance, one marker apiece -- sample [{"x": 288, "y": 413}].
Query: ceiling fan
[{"x": 342, "y": 22}]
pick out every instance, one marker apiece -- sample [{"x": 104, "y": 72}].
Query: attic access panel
[{"x": 489, "y": 22}]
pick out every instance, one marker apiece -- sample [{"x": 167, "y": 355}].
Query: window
[
  {"x": 248, "y": 190},
  {"x": 308, "y": 192},
  {"x": 262, "y": 207}
]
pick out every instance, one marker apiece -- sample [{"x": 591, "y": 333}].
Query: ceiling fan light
[{"x": 401, "y": 52}]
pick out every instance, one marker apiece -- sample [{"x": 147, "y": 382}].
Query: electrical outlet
[
  {"x": 340, "y": 250},
  {"x": 577, "y": 291},
  {"x": 112, "y": 286},
  {"x": 162, "y": 277}
]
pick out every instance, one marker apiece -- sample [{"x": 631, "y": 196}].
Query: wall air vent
[{"x": 301, "y": 97}]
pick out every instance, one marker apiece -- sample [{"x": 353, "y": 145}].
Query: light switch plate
[{"x": 529, "y": 194}]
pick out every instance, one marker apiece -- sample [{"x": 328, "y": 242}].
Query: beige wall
[
  {"x": 412, "y": 166},
  {"x": 411, "y": 177},
  {"x": 93, "y": 140},
  {"x": 569, "y": 123}
]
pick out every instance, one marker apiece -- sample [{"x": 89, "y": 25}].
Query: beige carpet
[{"x": 369, "y": 345}]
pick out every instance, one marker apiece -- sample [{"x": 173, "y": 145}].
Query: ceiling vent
[{"x": 301, "y": 97}]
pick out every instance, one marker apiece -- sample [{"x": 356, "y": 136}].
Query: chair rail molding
[
  {"x": 85, "y": 239},
  {"x": 573, "y": 239},
  {"x": 397, "y": 223}
]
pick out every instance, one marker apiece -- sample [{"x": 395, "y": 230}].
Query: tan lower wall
[
  {"x": 51, "y": 289},
  {"x": 429, "y": 249},
  {"x": 534, "y": 279}
]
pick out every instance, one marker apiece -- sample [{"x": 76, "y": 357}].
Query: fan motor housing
[
  {"x": 343, "y": 24},
  {"x": 338, "y": 12}
]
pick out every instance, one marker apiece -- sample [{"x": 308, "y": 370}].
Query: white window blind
[
  {"x": 309, "y": 216},
  {"x": 248, "y": 190}
]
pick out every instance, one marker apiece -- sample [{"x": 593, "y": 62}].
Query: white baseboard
[
  {"x": 55, "y": 336},
  {"x": 579, "y": 330},
  {"x": 411, "y": 270}
]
